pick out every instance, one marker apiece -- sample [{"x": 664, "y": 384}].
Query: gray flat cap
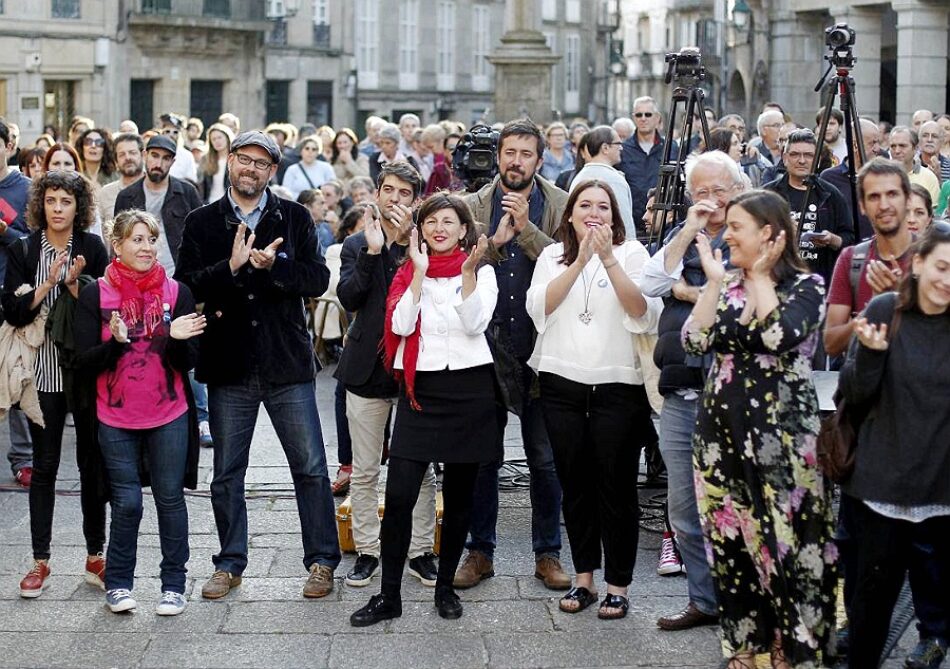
[{"x": 257, "y": 138}]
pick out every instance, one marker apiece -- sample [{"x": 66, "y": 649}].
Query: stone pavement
[{"x": 509, "y": 620}]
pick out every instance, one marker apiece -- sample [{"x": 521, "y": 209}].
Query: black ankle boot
[
  {"x": 380, "y": 607},
  {"x": 448, "y": 603}
]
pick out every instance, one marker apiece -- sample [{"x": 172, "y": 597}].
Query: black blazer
[
  {"x": 23, "y": 259},
  {"x": 255, "y": 317},
  {"x": 181, "y": 199},
  {"x": 363, "y": 287}
]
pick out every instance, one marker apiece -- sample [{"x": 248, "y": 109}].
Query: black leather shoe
[
  {"x": 448, "y": 604},
  {"x": 381, "y": 607}
]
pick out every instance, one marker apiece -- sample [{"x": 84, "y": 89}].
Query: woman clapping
[
  {"x": 438, "y": 309},
  {"x": 587, "y": 308},
  {"x": 134, "y": 331}
]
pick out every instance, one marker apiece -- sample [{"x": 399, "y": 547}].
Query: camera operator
[
  {"x": 827, "y": 227},
  {"x": 522, "y": 211}
]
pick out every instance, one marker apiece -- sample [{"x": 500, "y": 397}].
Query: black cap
[
  {"x": 257, "y": 138},
  {"x": 162, "y": 142}
]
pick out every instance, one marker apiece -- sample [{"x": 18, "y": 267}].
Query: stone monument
[{"x": 523, "y": 64}]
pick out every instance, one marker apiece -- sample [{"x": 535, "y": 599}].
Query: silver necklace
[{"x": 586, "y": 316}]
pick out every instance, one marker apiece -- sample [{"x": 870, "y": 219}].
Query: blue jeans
[
  {"x": 344, "y": 445},
  {"x": 166, "y": 448},
  {"x": 200, "y": 391},
  {"x": 677, "y": 421},
  {"x": 928, "y": 579},
  {"x": 20, "y": 454},
  {"x": 545, "y": 488},
  {"x": 293, "y": 411}
]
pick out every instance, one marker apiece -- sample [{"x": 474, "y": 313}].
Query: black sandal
[
  {"x": 613, "y": 602},
  {"x": 582, "y": 596}
]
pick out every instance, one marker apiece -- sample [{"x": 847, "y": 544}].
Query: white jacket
[
  {"x": 18, "y": 348},
  {"x": 452, "y": 330}
]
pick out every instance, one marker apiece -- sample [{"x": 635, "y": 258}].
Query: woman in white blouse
[
  {"x": 587, "y": 307},
  {"x": 309, "y": 172},
  {"x": 439, "y": 306}
]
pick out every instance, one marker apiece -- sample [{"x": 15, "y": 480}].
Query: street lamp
[{"x": 741, "y": 13}]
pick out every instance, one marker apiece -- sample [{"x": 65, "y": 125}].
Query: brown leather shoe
[
  {"x": 319, "y": 583},
  {"x": 686, "y": 619},
  {"x": 474, "y": 569},
  {"x": 219, "y": 585},
  {"x": 548, "y": 568}
]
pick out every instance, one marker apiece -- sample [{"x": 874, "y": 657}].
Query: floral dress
[{"x": 764, "y": 506}]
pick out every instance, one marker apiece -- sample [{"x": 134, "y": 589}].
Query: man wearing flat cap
[
  {"x": 253, "y": 258},
  {"x": 165, "y": 197}
]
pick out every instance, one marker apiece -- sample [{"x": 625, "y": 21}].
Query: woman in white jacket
[
  {"x": 439, "y": 306},
  {"x": 309, "y": 172},
  {"x": 587, "y": 307}
]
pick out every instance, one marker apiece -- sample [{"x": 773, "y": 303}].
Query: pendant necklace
[{"x": 586, "y": 316}]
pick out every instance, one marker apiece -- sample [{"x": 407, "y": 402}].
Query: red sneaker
[
  {"x": 34, "y": 583},
  {"x": 24, "y": 476},
  {"x": 96, "y": 571}
]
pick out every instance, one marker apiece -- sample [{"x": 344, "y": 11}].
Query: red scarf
[
  {"x": 440, "y": 267},
  {"x": 141, "y": 294}
]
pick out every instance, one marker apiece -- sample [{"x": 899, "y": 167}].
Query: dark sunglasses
[
  {"x": 941, "y": 227},
  {"x": 643, "y": 115},
  {"x": 94, "y": 141}
]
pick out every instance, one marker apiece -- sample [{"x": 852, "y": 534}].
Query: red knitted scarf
[{"x": 440, "y": 267}]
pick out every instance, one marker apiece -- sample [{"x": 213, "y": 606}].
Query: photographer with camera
[{"x": 522, "y": 210}]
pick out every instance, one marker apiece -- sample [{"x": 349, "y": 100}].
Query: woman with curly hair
[
  {"x": 97, "y": 155},
  {"x": 346, "y": 158},
  {"x": 43, "y": 270}
]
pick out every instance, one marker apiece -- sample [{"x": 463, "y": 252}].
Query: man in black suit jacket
[
  {"x": 369, "y": 262},
  {"x": 169, "y": 199}
]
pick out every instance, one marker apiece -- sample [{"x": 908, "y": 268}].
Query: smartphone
[{"x": 808, "y": 236}]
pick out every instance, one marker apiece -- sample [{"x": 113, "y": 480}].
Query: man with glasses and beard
[
  {"x": 131, "y": 165},
  {"x": 642, "y": 154},
  {"x": 165, "y": 197},
  {"x": 252, "y": 258},
  {"x": 522, "y": 211}
]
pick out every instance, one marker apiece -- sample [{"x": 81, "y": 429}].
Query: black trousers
[
  {"x": 596, "y": 432},
  {"x": 883, "y": 548},
  {"x": 402, "y": 490},
  {"x": 47, "y": 451}
]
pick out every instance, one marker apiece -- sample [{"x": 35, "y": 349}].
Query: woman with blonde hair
[{"x": 213, "y": 168}]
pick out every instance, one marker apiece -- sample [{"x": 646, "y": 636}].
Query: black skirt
[{"x": 458, "y": 422}]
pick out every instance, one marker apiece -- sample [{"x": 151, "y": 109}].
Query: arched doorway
[
  {"x": 735, "y": 98},
  {"x": 760, "y": 88}
]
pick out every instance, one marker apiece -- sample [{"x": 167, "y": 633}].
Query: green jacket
[{"x": 532, "y": 239}]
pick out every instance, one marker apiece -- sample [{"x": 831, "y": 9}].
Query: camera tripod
[
  {"x": 841, "y": 60},
  {"x": 670, "y": 196}
]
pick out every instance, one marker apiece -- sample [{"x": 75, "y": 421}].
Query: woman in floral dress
[{"x": 764, "y": 505}]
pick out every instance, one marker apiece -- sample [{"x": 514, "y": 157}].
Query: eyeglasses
[
  {"x": 94, "y": 141},
  {"x": 643, "y": 114},
  {"x": 246, "y": 160},
  {"x": 798, "y": 155},
  {"x": 615, "y": 143},
  {"x": 719, "y": 193}
]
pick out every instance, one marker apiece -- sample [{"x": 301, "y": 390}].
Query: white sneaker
[
  {"x": 204, "y": 434},
  {"x": 120, "y": 600},
  {"x": 670, "y": 562},
  {"x": 171, "y": 604}
]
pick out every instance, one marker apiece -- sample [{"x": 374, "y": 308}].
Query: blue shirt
[
  {"x": 513, "y": 275},
  {"x": 253, "y": 218}
]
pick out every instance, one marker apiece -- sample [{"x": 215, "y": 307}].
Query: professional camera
[
  {"x": 686, "y": 66},
  {"x": 475, "y": 159},
  {"x": 839, "y": 39}
]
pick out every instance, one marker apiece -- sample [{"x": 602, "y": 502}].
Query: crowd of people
[{"x": 156, "y": 287}]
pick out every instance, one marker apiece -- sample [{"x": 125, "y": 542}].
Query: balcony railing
[
  {"x": 321, "y": 35},
  {"x": 278, "y": 33},
  {"x": 228, "y": 10}
]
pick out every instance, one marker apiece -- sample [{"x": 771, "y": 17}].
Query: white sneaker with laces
[
  {"x": 670, "y": 562},
  {"x": 171, "y": 604},
  {"x": 120, "y": 600}
]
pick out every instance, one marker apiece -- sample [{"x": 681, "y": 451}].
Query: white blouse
[
  {"x": 453, "y": 329},
  {"x": 602, "y": 350}
]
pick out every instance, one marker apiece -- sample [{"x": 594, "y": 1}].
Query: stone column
[
  {"x": 866, "y": 22},
  {"x": 921, "y": 57},
  {"x": 795, "y": 64},
  {"x": 522, "y": 65}
]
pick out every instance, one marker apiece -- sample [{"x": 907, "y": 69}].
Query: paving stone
[
  {"x": 51, "y": 650},
  {"x": 491, "y": 617},
  {"x": 227, "y": 651},
  {"x": 319, "y": 616},
  {"x": 93, "y": 616},
  {"x": 408, "y": 651}
]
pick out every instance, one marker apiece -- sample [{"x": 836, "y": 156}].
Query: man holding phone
[{"x": 827, "y": 227}]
